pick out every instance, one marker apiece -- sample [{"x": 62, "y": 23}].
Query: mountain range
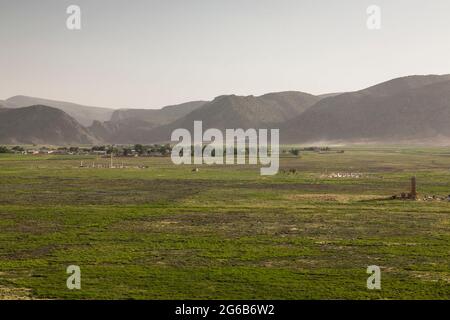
[
  {"x": 39, "y": 124},
  {"x": 85, "y": 115},
  {"x": 412, "y": 109}
]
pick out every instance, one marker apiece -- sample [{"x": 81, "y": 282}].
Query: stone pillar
[{"x": 413, "y": 188}]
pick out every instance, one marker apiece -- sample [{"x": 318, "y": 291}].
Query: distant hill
[
  {"x": 157, "y": 116},
  {"x": 41, "y": 125},
  {"x": 414, "y": 109},
  {"x": 133, "y": 125},
  {"x": 127, "y": 131},
  {"x": 85, "y": 115},
  {"x": 231, "y": 111}
]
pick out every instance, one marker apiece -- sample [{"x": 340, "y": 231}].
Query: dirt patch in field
[
  {"x": 34, "y": 227},
  {"x": 32, "y": 253},
  {"x": 182, "y": 222},
  {"x": 9, "y": 293},
  {"x": 432, "y": 276},
  {"x": 344, "y": 198}
]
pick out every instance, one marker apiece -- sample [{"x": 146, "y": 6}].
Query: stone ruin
[{"x": 412, "y": 195}]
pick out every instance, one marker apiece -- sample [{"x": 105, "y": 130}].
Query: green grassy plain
[{"x": 225, "y": 232}]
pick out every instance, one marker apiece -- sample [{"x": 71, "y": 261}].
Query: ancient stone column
[{"x": 413, "y": 188}]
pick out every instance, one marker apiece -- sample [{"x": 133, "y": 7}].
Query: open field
[{"x": 226, "y": 232}]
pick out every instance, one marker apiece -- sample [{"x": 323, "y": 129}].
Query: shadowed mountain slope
[{"x": 41, "y": 125}]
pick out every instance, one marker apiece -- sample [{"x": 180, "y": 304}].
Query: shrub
[{"x": 4, "y": 149}]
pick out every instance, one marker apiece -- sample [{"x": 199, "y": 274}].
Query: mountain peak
[
  {"x": 83, "y": 114},
  {"x": 407, "y": 109},
  {"x": 404, "y": 83},
  {"x": 40, "y": 124}
]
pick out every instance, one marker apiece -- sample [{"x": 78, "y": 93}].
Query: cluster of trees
[
  {"x": 141, "y": 150},
  {"x": 137, "y": 149},
  {"x": 317, "y": 149},
  {"x": 164, "y": 149},
  {"x": 4, "y": 149},
  {"x": 295, "y": 152},
  {"x": 224, "y": 150},
  {"x": 73, "y": 149}
]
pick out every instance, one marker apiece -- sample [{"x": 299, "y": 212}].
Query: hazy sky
[{"x": 151, "y": 53}]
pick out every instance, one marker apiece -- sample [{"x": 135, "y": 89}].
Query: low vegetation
[{"x": 225, "y": 232}]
